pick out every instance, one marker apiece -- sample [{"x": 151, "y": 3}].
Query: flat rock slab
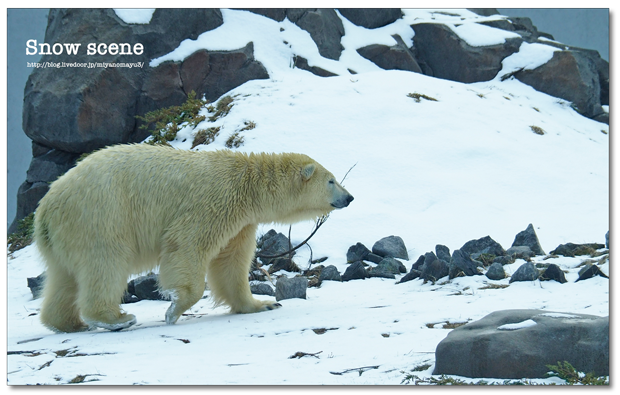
[{"x": 514, "y": 344}]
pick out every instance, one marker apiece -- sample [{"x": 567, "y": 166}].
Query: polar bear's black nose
[{"x": 343, "y": 202}]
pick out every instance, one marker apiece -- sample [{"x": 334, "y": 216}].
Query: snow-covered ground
[{"x": 462, "y": 167}]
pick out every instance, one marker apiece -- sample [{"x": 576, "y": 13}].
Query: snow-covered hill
[{"x": 462, "y": 162}]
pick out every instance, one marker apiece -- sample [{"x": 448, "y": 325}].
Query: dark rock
[
  {"x": 484, "y": 11},
  {"x": 525, "y": 272},
  {"x": 570, "y": 75},
  {"x": 496, "y": 272},
  {"x": 357, "y": 252},
  {"x": 374, "y": 258},
  {"x": 429, "y": 258},
  {"x": 485, "y": 245},
  {"x": 262, "y": 289},
  {"x": 396, "y": 57},
  {"x": 588, "y": 271},
  {"x": 417, "y": 265},
  {"x": 504, "y": 260},
  {"x": 355, "y": 271},
  {"x": 381, "y": 272},
  {"x": 326, "y": 30},
  {"x": 146, "y": 288},
  {"x": 28, "y": 196},
  {"x": 489, "y": 348},
  {"x": 521, "y": 252},
  {"x": 443, "y": 252},
  {"x": 412, "y": 275},
  {"x": 330, "y": 273},
  {"x": 371, "y": 18},
  {"x": 389, "y": 265},
  {"x": 36, "y": 285},
  {"x": 435, "y": 270},
  {"x": 213, "y": 73},
  {"x": 302, "y": 63},
  {"x": 461, "y": 262},
  {"x": 49, "y": 166},
  {"x": 553, "y": 272},
  {"x": 441, "y": 53},
  {"x": 391, "y": 246},
  {"x": 289, "y": 288},
  {"x": 528, "y": 238},
  {"x": 273, "y": 243},
  {"x": 572, "y": 250}
]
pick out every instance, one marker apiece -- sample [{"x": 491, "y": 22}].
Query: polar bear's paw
[{"x": 123, "y": 322}]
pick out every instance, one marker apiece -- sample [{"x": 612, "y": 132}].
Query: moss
[
  {"x": 23, "y": 236},
  {"x": 166, "y": 122},
  {"x": 205, "y": 136},
  {"x": 222, "y": 108},
  {"x": 234, "y": 141}
]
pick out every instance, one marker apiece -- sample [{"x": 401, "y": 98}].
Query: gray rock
[
  {"x": 289, "y": 288},
  {"x": 504, "y": 260},
  {"x": 441, "y": 53},
  {"x": 443, "y": 252},
  {"x": 497, "y": 346},
  {"x": 326, "y": 30},
  {"x": 553, "y": 272},
  {"x": 528, "y": 238},
  {"x": 371, "y": 18},
  {"x": 412, "y": 275},
  {"x": 391, "y": 246},
  {"x": 146, "y": 288},
  {"x": 389, "y": 265},
  {"x": 262, "y": 289},
  {"x": 521, "y": 252},
  {"x": 496, "y": 272},
  {"x": 525, "y": 272},
  {"x": 588, "y": 271},
  {"x": 273, "y": 243},
  {"x": 381, "y": 272},
  {"x": 571, "y": 249},
  {"x": 461, "y": 262},
  {"x": 36, "y": 285},
  {"x": 357, "y": 252},
  {"x": 580, "y": 78},
  {"x": 330, "y": 273},
  {"x": 283, "y": 263},
  {"x": 435, "y": 270},
  {"x": 374, "y": 258},
  {"x": 355, "y": 271},
  {"x": 485, "y": 245},
  {"x": 396, "y": 57},
  {"x": 417, "y": 265}
]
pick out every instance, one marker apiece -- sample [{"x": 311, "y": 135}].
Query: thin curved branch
[{"x": 319, "y": 222}]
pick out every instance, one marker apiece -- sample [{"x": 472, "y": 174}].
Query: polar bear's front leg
[{"x": 227, "y": 275}]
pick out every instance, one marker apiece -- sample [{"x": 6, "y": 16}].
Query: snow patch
[
  {"x": 135, "y": 15},
  {"x": 517, "y": 325}
]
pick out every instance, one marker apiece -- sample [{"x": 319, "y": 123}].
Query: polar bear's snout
[{"x": 343, "y": 201}]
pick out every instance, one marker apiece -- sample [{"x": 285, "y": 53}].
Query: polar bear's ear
[{"x": 307, "y": 171}]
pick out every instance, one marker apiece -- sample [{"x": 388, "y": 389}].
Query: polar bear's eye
[{"x": 331, "y": 181}]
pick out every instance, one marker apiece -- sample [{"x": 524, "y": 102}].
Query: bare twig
[
  {"x": 301, "y": 354},
  {"x": 319, "y": 222},
  {"x": 347, "y": 173}
]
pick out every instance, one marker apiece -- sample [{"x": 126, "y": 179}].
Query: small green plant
[
  {"x": 23, "y": 236},
  {"x": 568, "y": 373},
  {"x": 419, "y": 96},
  {"x": 166, "y": 122},
  {"x": 537, "y": 130}
]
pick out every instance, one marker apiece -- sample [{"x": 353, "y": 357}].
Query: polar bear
[{"x": 127, "y": 209}]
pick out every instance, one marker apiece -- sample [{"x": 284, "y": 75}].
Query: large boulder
[
  {"x": 443, "y": 54},
  {"x": 514, "y": 344},
  {"x": 573, "y": 76},
  {"x": 528, "y": 238},
  {"x": 371, "y": 18}
]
